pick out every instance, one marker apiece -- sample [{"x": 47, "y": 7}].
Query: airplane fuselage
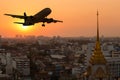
[
  {"x": 39, "y": 17},
  {"x": 42, "y": 14}
]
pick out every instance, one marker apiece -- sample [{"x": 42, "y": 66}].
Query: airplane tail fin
[
  {"x": 25, "y": 14},
  {"x": 25, "y": 17}
]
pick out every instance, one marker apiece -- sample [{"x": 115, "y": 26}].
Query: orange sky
[{"x": 79, "y": 17}]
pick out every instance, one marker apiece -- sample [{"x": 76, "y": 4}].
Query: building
[
  {"x": 97, "y": 68},
  {"x": 9, "y": 67},
  {"x": 22, "y": 65},
  {"x": 5, "y": 77},
  {"x": 114, "y": 66},
  {"x": 0, "y": 40}
]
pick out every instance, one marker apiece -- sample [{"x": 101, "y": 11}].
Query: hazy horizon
[{"x": 58, "y": 36}]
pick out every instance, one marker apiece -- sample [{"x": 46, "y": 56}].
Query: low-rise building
[{"x": 22, "y": 64}]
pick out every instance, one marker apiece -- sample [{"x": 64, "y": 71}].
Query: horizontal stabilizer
[
  {"x": 15, "y": 16},
  {"x": 18, "y": 23}
]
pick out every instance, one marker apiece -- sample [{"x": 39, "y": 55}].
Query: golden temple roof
[{"x": 97, "y": 56}]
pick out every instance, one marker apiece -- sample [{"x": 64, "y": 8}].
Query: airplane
[{"x": 39, "y": 17}]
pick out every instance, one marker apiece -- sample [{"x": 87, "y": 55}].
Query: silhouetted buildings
[{"x": 48, "y": 58}]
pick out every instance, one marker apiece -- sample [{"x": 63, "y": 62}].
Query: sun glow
[{"x": 25, "y": 28}]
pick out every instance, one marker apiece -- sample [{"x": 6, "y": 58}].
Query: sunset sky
[{"x": 79, "y": 17}]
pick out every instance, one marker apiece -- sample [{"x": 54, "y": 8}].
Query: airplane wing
[
  {"x": 50, "y": 20},
  {"x": 18, "y": 22},
  {"x": 57, "y": 21},
  {"x": 15, "y": 16}
]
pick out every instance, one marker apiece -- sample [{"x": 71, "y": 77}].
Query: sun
[{"x": 24, "y": 27}]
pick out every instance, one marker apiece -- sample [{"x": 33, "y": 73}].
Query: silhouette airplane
[{"x": 39, "y": 17}]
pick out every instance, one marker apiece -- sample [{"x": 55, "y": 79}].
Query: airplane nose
[{"x": 48, "y": 10}]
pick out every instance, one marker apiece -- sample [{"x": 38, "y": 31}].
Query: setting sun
[{"x": 25, "y": 27}]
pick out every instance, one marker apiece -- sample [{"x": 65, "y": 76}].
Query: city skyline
[{"x": 79, "y": 18}]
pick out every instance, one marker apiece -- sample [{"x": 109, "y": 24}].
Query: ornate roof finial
[{"x": 97, "y": 26}]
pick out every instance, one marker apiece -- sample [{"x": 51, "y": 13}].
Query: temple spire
[
  {"x": 97, "y": 25},
  {"x": 97, "y": 57},
  {"x": 97, "y": 68},
  {"x": 97, "y": 36}
]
